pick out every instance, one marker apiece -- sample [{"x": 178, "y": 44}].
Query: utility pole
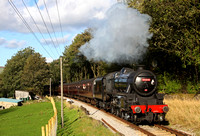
[
  {"x": 50, "y": 87},
  {"x": 61, "y": 88}
]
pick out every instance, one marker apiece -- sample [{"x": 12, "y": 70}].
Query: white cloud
[
  {"x": 74, "y": 14},
  {"x": 57, "y": 41},
  {"x": 49, "y": 60},
  {"x": 12, "y": 43}
]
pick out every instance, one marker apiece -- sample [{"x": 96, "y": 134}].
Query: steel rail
[
  {"x": 173, "y": 131},
  {"x": 111, "y": 127}
]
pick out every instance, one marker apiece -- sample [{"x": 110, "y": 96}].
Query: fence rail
[{"x": 51, "y": 127}]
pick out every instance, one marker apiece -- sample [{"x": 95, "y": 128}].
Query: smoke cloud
[{"x": 121, "y": 37}]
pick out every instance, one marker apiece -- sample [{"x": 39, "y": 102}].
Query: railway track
[{"x": 156, "y": 130}]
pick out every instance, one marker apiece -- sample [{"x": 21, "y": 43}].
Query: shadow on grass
[
  {"x": 5, "y": 111},
  {"x": 66, "y": 130}
]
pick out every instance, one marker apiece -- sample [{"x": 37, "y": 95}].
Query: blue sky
[{"x": 75, "y": 15}]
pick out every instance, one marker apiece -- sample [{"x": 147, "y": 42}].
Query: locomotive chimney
[{"x": 140, "y": 67}]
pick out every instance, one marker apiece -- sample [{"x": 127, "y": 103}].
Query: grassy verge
[
  {"x": 184, "y": 113},
  {"x": 25, "y": 120},
  {"x": 79, "y": 124}
]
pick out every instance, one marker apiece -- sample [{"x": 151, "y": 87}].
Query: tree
[
  {"x": 176, "y": 32},
  {"x": 25, "y": 70},
  {"x": 55, "y": 74},
  {"x": 75, "y": 64},
  {"x": 11, "y": 76},
  {"x": 35, "y": 74}
]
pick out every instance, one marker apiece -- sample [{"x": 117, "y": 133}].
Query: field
[
  {"x": 25, "y": 120},
  {"x": 76, "y": 122},
  {"x": 184, "y": 113}
]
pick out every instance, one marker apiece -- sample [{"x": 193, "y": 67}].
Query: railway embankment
[{"x": 77, "y": 122}]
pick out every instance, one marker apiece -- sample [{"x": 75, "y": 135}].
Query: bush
[
  {"x": 168, "y": 84},
  {"x": 192, "y": 87}
]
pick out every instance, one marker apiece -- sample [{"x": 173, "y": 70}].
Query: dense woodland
[{"x": 174, "y": 49}]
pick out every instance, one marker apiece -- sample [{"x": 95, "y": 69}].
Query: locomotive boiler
[{"x": 129, "y": 94}]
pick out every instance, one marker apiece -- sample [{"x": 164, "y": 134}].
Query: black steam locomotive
[{"x": 128, "y": 94}]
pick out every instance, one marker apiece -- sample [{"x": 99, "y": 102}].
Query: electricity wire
[
  {"x": 36, "y": 25},
  {"x": 46, "y": 26},
  {"x": 60, "y": 21},
  {"x": 51, "y": 24},
  {"x": 26, "y": 24}
]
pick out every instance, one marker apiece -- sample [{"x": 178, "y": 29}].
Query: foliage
[
  {"x": 25, "y": 70},
  {"x": 2, "y": 90},
  {"x": 75, "y": 68},
  {"x": 13, "y": 71},
  {"x": 192, "y": 87},
  {"x": 35, "y": 74},
  {"x": 168, "y": 84},
  {"x": 176, "y": 29},
  {"x": 55, "y": 71},
  {"x": 54, "y": 68},
  {"x": 25, "y": 120}
]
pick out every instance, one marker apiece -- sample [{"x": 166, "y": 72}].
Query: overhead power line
[
  {"x": 60, "y": 21},
  {"x": 46, "y": 26},
  {"x": 51, "y": 24},
  {"x": 26, "y": 24},
  {"x": 36, "y": 26}
]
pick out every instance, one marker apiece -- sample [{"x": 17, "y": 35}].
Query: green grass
[
  {"x": 25, "y": 120},
  {"x": 76, "y": 123}
]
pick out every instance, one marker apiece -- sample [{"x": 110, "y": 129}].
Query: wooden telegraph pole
[
  {"x": 61, "y": 87},
  {"x": 50, "y": 87}
]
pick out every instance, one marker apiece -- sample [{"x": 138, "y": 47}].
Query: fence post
[
  {"x": 49, "y": 127},
  {"x": 47, "y": 130},
  {"x": 43, "y": 131}
]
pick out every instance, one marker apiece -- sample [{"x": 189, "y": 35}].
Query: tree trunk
[{"x": 93, "y": 67}]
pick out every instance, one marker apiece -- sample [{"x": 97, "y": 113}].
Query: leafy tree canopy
[
  {"x": 21, "y": 69},
  {"x": 35, "y": 74},
  {"x": 176, "y": 32}
]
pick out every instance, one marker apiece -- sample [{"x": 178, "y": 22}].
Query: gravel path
[{"x": 123, "y": 128}]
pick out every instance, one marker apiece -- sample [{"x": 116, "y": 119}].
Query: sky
[{"x": 46, "y": 37}]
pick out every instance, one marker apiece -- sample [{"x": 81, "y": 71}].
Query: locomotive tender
[{"x": 128, "y": 94}]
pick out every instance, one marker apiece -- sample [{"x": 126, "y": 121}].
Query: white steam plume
[{"x": 121, "y": 37}]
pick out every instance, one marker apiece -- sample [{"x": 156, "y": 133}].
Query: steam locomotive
[{"x": 129, "y": 94}]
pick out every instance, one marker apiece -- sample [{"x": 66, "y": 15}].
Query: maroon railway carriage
[
  {"x": 83, "y": 88},
  {"x": 130, "y": 94}
]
